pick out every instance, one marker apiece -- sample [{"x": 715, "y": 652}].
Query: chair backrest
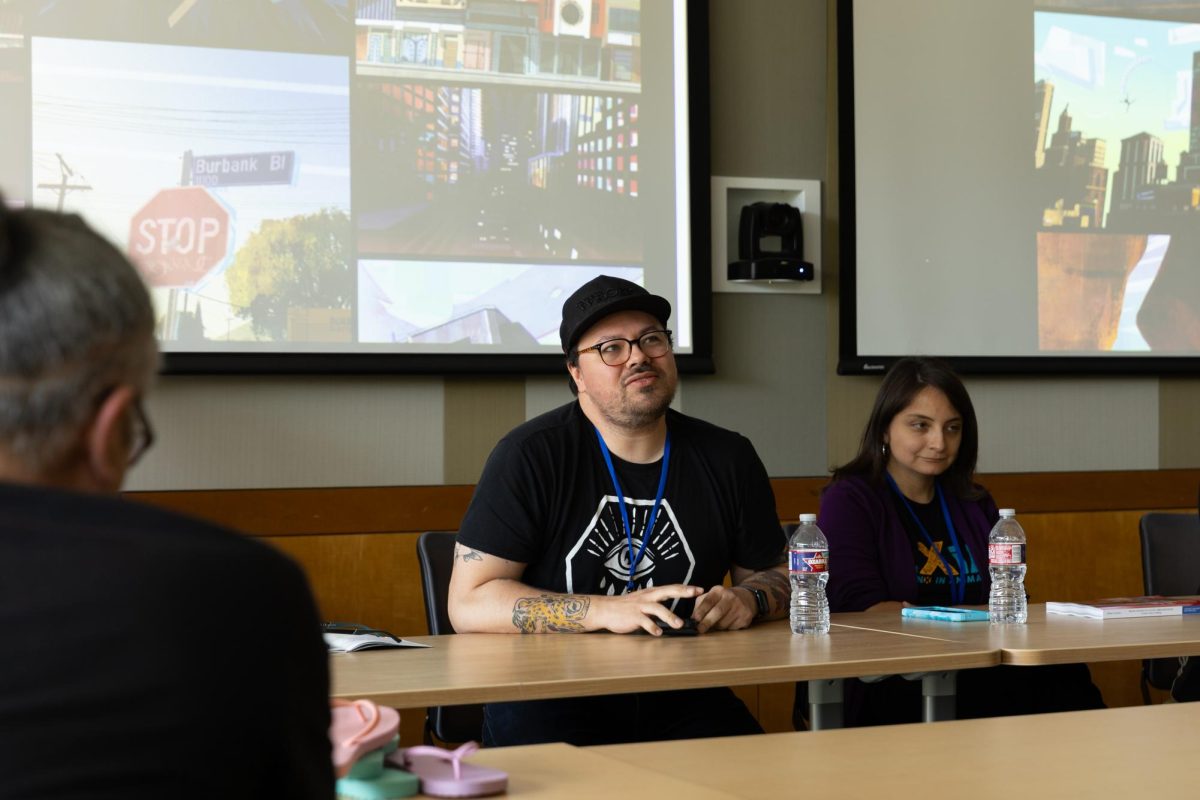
[
  {"x": 435, "y": 553},
  {"x": 1170, "y": 566}
]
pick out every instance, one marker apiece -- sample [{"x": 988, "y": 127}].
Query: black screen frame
[
  {"x": 699, "y": 361},
  {"x": 850, "y": 360}
]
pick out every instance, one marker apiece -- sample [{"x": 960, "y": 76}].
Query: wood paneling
[
  {"x": 370, "y": 578},
  {"x": 1081, "y": 556},
  {"x": 293, "y": 512},
  {"x": 1084, "y": 555},
  {"x": 1118, "y": 490}
]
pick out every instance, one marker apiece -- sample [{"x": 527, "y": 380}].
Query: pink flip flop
[
  {"x": 443, "y": 773},
  {"x": 356, "y": 728}
]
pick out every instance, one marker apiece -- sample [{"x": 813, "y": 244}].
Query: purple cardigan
[{"x": 870, "y": 554}]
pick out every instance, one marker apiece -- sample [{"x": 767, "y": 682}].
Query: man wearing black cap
[{"x": 556, "y": 539}]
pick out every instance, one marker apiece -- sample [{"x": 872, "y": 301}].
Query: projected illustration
[
  {"x": 557, "y": 44},
  {"x": 1117, "y": 157},
  {"x": 507, "y": 306},
  {"x": 315, "y": 26},
  {"x": 223, "y": 174},
  {"x": 14, "y": 100},
  {"x": 359, "y": 176},
  {"x": 510, "y": 130},
  {"x": 497, "y": 172}
]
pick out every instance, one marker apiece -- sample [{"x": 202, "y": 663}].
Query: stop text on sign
[
  {"x": 181, "y": 237},
  {"x": 178, "y": 236}
]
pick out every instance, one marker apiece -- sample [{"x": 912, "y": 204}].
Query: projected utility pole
[{"x": 65, "y": 185}]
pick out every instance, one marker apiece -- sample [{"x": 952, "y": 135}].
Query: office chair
[
  {"x": 1170, "y": 566},
  {"x": 435, "y": 552}
]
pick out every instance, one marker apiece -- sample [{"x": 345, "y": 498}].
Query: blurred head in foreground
[{"x": 77, "y": 354}]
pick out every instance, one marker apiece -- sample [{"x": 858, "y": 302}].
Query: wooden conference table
[
  {"x": 1051, "y": 638},
  {"x": 481, "y": 667},
  {"x": 1143, "y": 751}
]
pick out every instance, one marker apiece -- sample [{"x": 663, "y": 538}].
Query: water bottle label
[
  {"x": 809, "y": 560},
  {"x": 1001, "y": 554}
]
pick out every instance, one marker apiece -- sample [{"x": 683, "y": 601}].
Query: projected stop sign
[{"x": 179, "y": 237}]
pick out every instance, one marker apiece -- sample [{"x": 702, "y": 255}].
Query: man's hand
[
  {"x": 725, "y": 608},
  {"x": 627, "y": 613}
]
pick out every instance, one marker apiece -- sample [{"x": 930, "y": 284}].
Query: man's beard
[{"x": 627, "y": 414}]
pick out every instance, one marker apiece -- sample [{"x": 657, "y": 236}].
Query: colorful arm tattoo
[{"x": 549, "y": 613}]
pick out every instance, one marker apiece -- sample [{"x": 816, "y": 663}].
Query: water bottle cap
[
  {"x": 808, "y": 518},
  {"x": 1007, "y": 513}
]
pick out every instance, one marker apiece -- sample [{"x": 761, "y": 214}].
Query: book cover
[
  {"x": 944, "y": 613},
  {"x": 1125, "y": 607}
]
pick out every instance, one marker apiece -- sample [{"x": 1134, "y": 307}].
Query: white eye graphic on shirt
[
  {"x": 599, "y": 563},
  {"x": 618, "y": 561}
]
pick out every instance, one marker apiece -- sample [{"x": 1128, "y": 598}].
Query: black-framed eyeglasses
[
  {"x": 616, "y": 351},
  {"x": 141, "y": 435}
]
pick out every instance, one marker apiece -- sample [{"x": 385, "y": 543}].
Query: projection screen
[
  {"x": 372, "y": 185},
  {"x": 1021, "y": 184}
]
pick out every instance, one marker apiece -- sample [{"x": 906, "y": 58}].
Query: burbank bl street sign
[{"x": 242, "y": 169}]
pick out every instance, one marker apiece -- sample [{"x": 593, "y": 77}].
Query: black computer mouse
[{"x": 689, "y": 627}]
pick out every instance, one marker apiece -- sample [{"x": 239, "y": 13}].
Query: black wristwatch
[{"x": 760, "y": 599}]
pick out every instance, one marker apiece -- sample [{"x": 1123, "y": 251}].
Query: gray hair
[{"x": 75, "y": 322}]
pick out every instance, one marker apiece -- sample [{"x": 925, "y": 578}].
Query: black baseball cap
[{"x": 604, "y": 295}]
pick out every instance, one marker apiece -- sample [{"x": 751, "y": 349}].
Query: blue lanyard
[
  {"x": 649, "y": 529},
  {"x": 958, "y": 585}
]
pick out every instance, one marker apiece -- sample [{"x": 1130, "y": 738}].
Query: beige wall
[{"x": 774, "y": 115}]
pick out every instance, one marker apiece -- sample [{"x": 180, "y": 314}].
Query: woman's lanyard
[
  {"x": 649, "y": 529},
  {"x": 958, "y": 583}
]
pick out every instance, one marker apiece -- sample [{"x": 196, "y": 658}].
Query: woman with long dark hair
[
  {"x": 905, "y": 518},
  {"x": 908, "y": 525}
]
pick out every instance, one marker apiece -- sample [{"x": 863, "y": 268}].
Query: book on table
[
  {"x": 349, "y": 637},
  {"x": 1125, "y": 607},
  {"x": 353, "y": 642}
]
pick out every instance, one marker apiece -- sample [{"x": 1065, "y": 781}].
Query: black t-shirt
[
  {"x": 933, "y": 582},
  {"x": 546, "y": 500}
]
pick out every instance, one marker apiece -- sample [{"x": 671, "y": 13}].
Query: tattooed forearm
[
  {"x": 549, "y": 613},
  {"x": 775, "y": 584},
  {"x": 466, "y": 554}
]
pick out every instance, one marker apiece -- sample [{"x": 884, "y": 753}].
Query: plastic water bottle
[
  {"x": 808, "y": 567},
  {"x": 1006, "y": 563}
]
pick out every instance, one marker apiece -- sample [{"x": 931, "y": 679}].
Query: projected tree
[{"x": 291, "y": 268}]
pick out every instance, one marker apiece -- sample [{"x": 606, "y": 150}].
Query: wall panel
[
  {"x": 1068, "y": 424},
  {"x": 243, "y": 432}
]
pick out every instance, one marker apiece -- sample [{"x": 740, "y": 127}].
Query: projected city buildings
[{"x": 1117, "y": 166}]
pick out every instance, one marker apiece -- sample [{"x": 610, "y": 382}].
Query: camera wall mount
[{"x": 764, "y": 275}]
